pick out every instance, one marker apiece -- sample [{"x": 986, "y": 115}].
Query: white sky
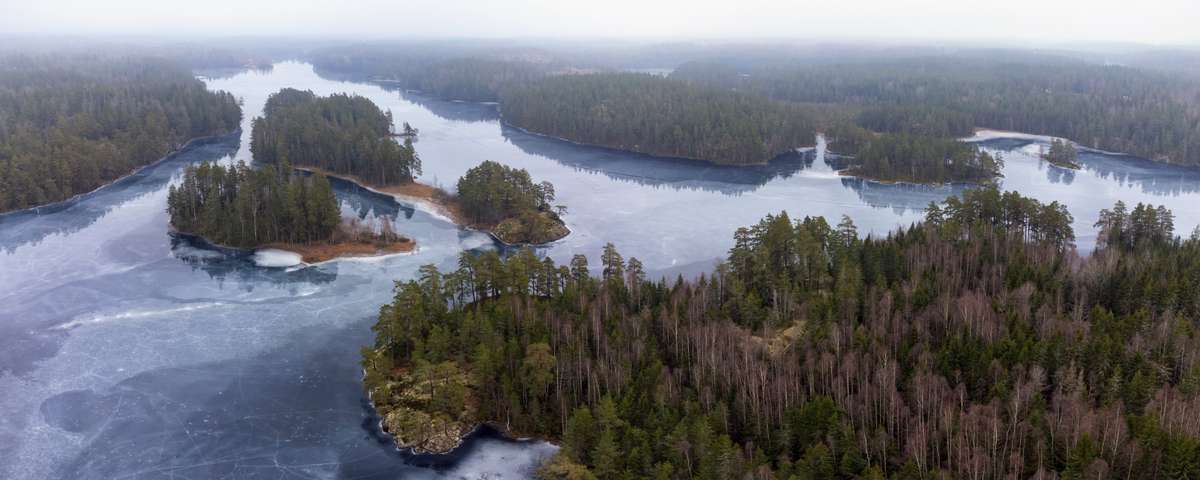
[{"x": 1011, "y": 21}]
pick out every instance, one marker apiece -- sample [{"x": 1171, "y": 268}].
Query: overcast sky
[{"x": 1013, "y": 21}]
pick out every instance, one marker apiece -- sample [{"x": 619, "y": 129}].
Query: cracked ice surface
[
  {"x": 127, "y": 353},
  {"x": 131, "y": 354}
]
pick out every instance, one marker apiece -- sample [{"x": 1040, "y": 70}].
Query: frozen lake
[{"x": 126, "y": 353}]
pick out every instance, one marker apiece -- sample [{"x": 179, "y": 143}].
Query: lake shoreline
[
  {"x": 78, "y": 197},
  {"x": 432, "y": 199},
  {"x": 849, "y": 172},
  {"x": 314, "y": 253},
  {"x": 650, "y": 155},
  {"x": 452, "y": 452}
]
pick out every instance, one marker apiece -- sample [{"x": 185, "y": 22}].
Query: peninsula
[{"x": 349, "y": 137}]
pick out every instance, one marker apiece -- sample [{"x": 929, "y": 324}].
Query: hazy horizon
[{"x": 1015, "y": 22}]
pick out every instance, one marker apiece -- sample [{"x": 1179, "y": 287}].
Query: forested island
[
  {"x": 657, "y": 116},
  {"x": 506, "y": 202},
  {"x": 340, "y": 134},
  {"x": 1062, "y": 153},
  {"x": 247, "y": 208},
  {"x": 974, "y": 344},
  {"x": 73, "y": 123},
  {"x": 904, "y": 157}
]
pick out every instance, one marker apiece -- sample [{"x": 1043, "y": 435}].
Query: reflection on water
[
  {"x": 1156, "y": 179},
  {"x": 31, "y": 226},
  {"x": 127, "y": 352},
  {"x": 900, "y": 198},
  {"x": 452, "y": 110},
  {"x": 367, "y": 205},
  {"x": 237, "y": 266},
  {"x": 658, "y": 171}
]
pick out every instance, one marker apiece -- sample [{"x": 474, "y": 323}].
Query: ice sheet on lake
[{"x": 188, "y": 362}]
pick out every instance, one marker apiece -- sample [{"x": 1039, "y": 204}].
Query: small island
[
  {"x": 246, "y": 208},
  {"x": 506, "y": 202},
  {"x": 891, "y": 157},
  {"x": 1062, "y": 154}
]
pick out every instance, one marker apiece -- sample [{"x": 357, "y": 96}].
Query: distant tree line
[
  {"x": 441, "y": 71},
  {"x": 1108, "y": 107},
  {"x": 69, "y": 124},
  {"x": 342, "y": 134},
  {"x": 917, "y": 120},
  {"x": 243, "y": 207},
  {"x": 476, "y": 79},
  {"x": 657, "y": 116}
]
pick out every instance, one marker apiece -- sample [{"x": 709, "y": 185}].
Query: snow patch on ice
[{"x": 273, "y": 257}]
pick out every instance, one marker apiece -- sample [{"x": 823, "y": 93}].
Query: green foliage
[
  {"x": 506, "y": 201},
  {"x": 1102, "y": 106},
  {"x": 974, "y": 345},
  {"x": 657, "y": 116},
  {"x": 923, "y": 159},
  {"x": 1062, "y": 153},
  {"x": 988, "y": 208},
  {"x": 342, "y": 134},
  {"x": 491, "y": 192},
  {"x": 1145, "y": 225},
  {"x": 917, "y": 120},
  {"x": 243, "y": 207},
  {"x": 71, "y": 124},
  {"x": 442, "y": 70}
]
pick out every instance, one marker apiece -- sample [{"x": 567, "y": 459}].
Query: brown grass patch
[{"x": 320, "y": 252}]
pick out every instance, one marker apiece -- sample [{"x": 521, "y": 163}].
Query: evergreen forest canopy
[
  {"x": 1113, "y": 108},
  {"x": 657, "y": 116},
  {"x": 341, "y": 134},
  {"x": 71, "y": 123},
  {"x": 445, "y": 72},
  {"x": 508, "y": 202},
  {"x": 243, "y": 207},
  {"x": 976, "y": 344},
  {"x": 923, "y": 159},
  {"x": 1062, "y": 153}
]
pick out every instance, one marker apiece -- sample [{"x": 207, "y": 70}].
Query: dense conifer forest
[
  {"x": 69, "y": 124},
  {"x": 1114, "y": 108},
  {"x": 444, "y": 72},
  {"x": 921, "y": 159},
  {"x": 507, "y": 202},
  {"x": 243, "y": 207},
  {"x": 341, "y": 134},
  {"x": 976, "y": 344},
  {"x": 657, "y": 116}
]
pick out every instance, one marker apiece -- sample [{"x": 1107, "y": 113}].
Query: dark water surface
[{"x": 128, "y": 353}]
